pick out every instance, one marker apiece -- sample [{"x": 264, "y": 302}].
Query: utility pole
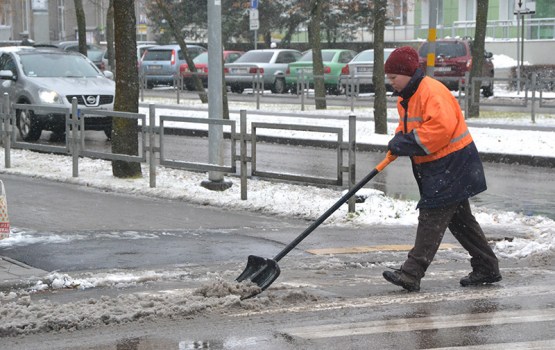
[
  {"x": 215, "y": 99},
  {"x": 432, "y": 35}
]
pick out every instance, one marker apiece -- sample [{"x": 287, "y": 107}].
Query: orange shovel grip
[{"x": 388, "y": 159}]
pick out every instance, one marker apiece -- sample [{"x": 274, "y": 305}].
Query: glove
[{"x": 394, "y": 143}]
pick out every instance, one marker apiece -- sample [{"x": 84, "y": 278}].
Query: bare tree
[
  {"x": 181, "y": 41},
  {"x": 478, "y": 51},
  {"x": 378, "y": 79},
  {"x": 81, "y": 26},
  {"x": 314, "y": 39},
  {"x": 124, "y": 131}
]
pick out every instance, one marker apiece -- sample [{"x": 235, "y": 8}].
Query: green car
[{"x": 334, "y": 61}]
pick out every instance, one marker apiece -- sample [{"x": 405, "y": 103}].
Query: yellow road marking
[{"x": 374, "y": 248}]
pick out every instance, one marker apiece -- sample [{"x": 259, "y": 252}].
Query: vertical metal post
[
  {"x": 522, "y": 44},
  {"x": 8, "y": 128},
  {"x": 432, "y": 34},
  {"x": 177, "y": 84},
  {"x": 351, "y": 81},
  {"x": 258, "y": 88},
  {"x": 215, "y": 99},
  {"x": 534, "y": 86},
  {"x": 301, "y": 87},
  {"x": 243, "y": 152},
  {"x": 74, "y": 136},
  {"x": 142, "y": 86},
  {"x": 151, "y": 144},
  {"x": 352, "y": 160},
  {"x": 467, "y": 96}
]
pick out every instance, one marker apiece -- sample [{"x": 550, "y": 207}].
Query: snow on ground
[{"x": 20, "y": 314}]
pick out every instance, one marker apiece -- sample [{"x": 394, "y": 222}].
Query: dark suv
[{"x": 453, "y": 60}]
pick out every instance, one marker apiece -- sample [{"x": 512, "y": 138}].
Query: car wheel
[
  {"x": 336, "y": 90},
  {"x": 279, "y": 86},
  {"x": 237, "y": 89},
  {"x": 487, "y": 91},
  {"x": 28, "y": 125}
]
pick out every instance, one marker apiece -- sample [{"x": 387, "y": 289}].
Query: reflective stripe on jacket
[{"x": 434, "y": 117}]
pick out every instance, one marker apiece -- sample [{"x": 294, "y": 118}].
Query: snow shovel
[{"x": 263, "y": 272}]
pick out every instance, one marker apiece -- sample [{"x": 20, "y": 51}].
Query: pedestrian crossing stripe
[
  {"x": 424, "y": 323},
  {"x": 374, "y": 248}
]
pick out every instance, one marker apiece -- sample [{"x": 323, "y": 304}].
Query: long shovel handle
[{"x": 388, "y": 159}]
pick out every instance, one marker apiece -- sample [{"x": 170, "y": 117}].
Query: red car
[
  {"x": 201, "y": 64},
  {"x": 453, "y": 60}
]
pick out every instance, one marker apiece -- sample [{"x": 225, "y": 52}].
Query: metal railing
[{"x": 152, "y": 140}]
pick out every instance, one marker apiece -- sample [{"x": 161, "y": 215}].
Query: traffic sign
[
  {"x": 254, "y": 4},
  {"x": 525, "y": 8},
  {"x": 254, "y": 23}
]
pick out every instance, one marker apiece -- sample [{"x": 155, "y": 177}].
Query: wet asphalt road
[{"x": 319, "y": 301}]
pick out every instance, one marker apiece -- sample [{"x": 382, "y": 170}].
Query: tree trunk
[
  {"x": 317, "y": 63},
  {"x": 125, "y": 139},
  {"x": 478, "y": 50},
  {"x": 110, "y": 35},
  {"x": 378, "y": 79},
  {"x": 81, "y": 26}
]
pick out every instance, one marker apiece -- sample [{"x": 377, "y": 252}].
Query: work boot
[
  {"x": 399, "y": 278},
  {"x": 477, "y": 278}
]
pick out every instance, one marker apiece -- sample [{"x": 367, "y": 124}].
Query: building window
[
  {"x": 398, "y": 12},
  {"x": 470, "y": 10}
]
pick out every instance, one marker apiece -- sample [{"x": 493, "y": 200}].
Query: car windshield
[
  {"x": 202, "y": 58},
  {"x": 327, "y": 56},
  {"x": 365, "y": 56},
  {"x": 447, "y": 49},
  {"x": 57, "y": 65},
  {"x": 95, "y": 55},
  {"x": 158, "y": 55},
  {"x": 256, "y": 56}
]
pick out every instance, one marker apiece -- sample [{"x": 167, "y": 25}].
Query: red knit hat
[{"x": 402, "y": 61}]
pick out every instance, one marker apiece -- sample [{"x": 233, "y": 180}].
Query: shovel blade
[{"x": 260, "y": 271}]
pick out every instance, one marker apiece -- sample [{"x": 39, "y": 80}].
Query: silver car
[
  {"x": 160, "y": 64},
  {"x": 52, "y": 77},
  {"x": 357, "y": 75},
  {"x": 270, "y": 64}
]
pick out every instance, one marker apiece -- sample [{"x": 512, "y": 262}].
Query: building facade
[{"x": 53, "y": 21}]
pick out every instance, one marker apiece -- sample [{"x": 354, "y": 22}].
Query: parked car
[
  {"x": 269, "y": 63},
  {"x": 94, "y": 52},
  {"x": 453, "y": 60},
  {"x": 141, "y": 48},
  {"x": 334, "y": 60},
  {"x": 201, "y": 65},
  {"x": 160, "y": 64},
  {"x": 53, "y": 78},
  {"x": 359, "y": 72}
]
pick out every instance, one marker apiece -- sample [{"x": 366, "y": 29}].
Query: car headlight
[{"x": 49, "y": 96}]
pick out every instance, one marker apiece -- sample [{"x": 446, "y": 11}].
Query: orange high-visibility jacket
[{"x": 436, "y": 120}]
